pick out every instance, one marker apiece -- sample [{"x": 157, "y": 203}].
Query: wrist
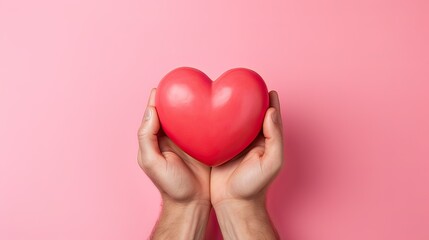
[
  {"x": 244, "y": 219},
  {"x": 182, "y": 219},
  {"x": 185, "y": 203},
  {"x": 241, "y": 208}
]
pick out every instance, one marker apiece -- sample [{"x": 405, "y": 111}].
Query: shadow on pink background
[{"x": 352, "y": 77}]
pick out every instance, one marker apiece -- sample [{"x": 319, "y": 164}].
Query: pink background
[{"x": 352, "y": 75}]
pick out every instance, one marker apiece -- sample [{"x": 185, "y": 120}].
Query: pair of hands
[{"x": 239, "y": 184}]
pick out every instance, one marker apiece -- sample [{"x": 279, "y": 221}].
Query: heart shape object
[{"x": 212, "y": 121}]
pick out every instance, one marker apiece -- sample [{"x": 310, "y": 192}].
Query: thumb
[
  {"x": 272, "y": 128},
  {"x": 149, "y": 129},
  {"x": 148, "y": 140},
  {"x": 272, "y": 131}
]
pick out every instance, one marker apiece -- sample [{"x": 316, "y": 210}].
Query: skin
[{"x": 189, "y": 189}]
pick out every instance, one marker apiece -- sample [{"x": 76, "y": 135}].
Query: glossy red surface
[{"x": 212, "y": 120}]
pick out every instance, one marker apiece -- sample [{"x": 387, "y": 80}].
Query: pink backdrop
[{"x": 352, "y": 75}]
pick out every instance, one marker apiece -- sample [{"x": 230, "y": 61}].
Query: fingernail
[
  {"x": 147, "y": 114},
  {"x": 274, "y": 117}
]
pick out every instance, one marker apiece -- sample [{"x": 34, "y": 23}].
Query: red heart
[{"x": 212, "y": 121}]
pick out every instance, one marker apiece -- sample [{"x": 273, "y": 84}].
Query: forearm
[
  {"x": 244, "y": 219},
  {"x": 182, "y": 220}
]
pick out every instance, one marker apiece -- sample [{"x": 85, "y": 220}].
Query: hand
[
  {"x": 247, "y": 176},
  {"x": 238, "y": 187},
  {"x": 183, "y": 182}
]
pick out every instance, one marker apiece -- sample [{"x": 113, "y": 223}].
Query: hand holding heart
[
  {"x": 248, "y": 175},
  {"x": 179, "y": 177},
  {"x": 236, "y": 187}
]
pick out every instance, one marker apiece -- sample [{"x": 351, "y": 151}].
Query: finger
[
  {"x": 272, "y": 159},
  {"x": 147, "y": 134}
]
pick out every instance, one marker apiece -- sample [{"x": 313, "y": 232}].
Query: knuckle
[
  {"x": 142, "y": 132},
  {"x": 274, "y": 164},
  {"x": 146, "y": 160}
]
